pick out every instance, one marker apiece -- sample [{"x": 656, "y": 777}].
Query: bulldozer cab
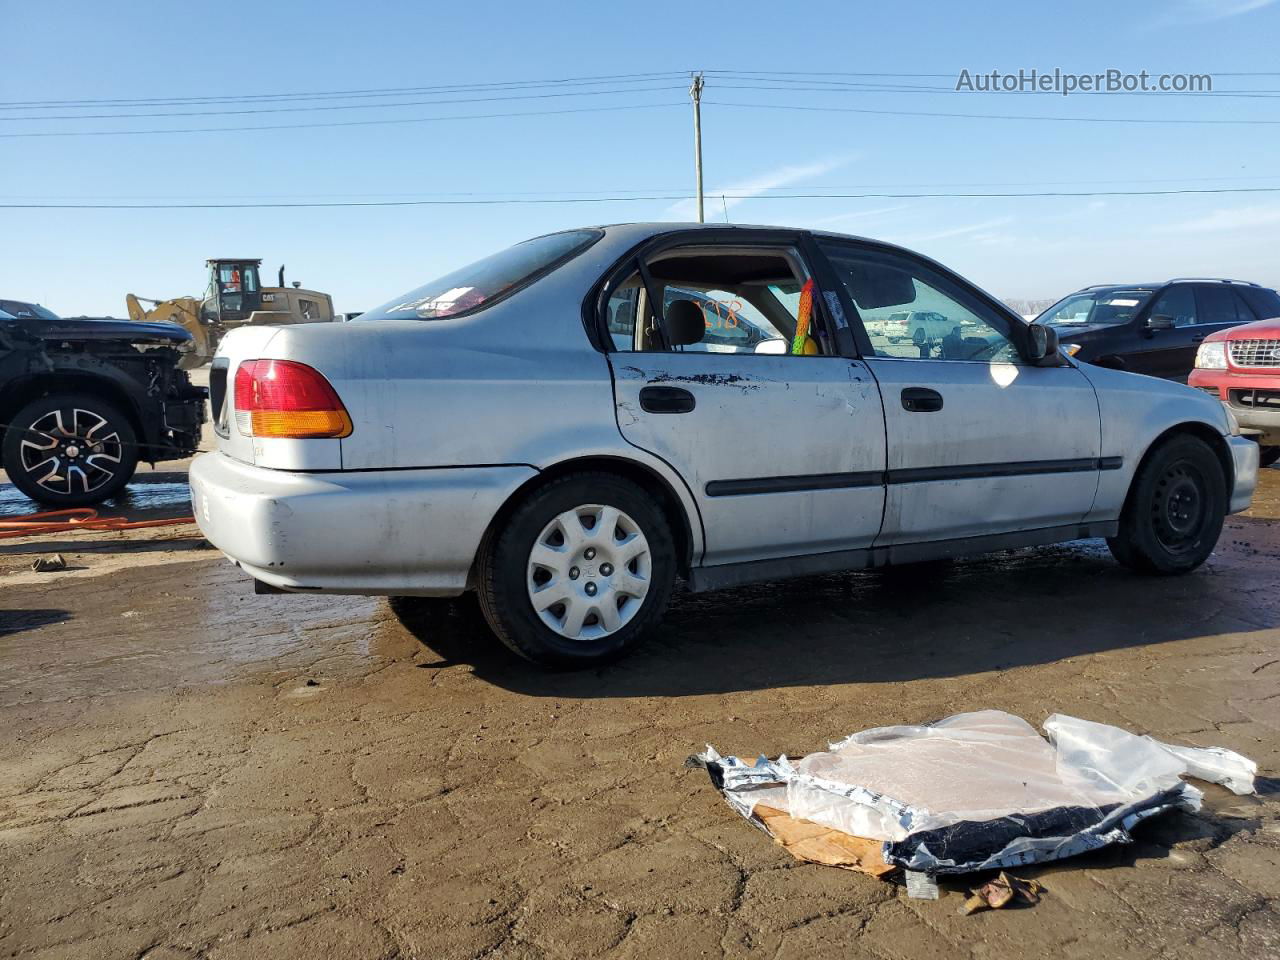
[
  {"x": 235, "y": 291},
  {"x": 234, "y": 298}
]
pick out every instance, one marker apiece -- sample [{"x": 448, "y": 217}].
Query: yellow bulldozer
[{"x": 235, "y": 298}]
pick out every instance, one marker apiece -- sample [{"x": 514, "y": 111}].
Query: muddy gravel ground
[{"x": 190, "y": 770}]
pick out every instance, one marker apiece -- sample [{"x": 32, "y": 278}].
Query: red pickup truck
[{"x": 1241, "y": 367}]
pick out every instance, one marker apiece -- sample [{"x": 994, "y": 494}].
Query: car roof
[
  {"x": 637, "y": 232},
  {"x": 1165, "y": 283},
  {"x": 629, "y": 234}
]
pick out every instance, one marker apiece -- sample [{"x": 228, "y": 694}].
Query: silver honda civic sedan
[{"x": 571, "y": 424}]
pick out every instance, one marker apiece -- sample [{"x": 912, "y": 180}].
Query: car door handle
[
  {"x": 1198, "y": 338},
  {"x": 666, "y": 400},
  {"x": 921, "y": 400}
]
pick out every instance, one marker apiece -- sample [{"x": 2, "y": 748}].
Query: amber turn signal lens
[{"x": 300, "y": 424}]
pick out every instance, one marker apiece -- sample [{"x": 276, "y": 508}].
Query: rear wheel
[
  {"x": 579, "y": 572},
  {"x": 67, "y": 450},
  {"x": 1172, "y": 519}
]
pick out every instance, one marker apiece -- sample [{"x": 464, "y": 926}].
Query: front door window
[
  {"x": 911, "y": 312},
  {"x": 1178, "y": 304}
]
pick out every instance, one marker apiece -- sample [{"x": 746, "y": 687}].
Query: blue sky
[{"x": 84, "y": 261}]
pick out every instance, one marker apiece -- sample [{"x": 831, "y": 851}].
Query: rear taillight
[{"x": 280, "y": 398}]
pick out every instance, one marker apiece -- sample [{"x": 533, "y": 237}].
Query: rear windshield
[{"x": 487, "y": 280}]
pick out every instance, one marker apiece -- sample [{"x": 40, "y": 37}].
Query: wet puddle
[{"x": 142, "y": 498}]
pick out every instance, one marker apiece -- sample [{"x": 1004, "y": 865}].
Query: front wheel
[
  {"x": 579, "y": 572},
  {"x": 68, "y": 450},
  {"x": 1172, "y": 519}
]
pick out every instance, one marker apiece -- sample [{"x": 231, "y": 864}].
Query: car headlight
[
  {"x": 1212, "y": 356},
  {"x": 1070, "y": 349}
]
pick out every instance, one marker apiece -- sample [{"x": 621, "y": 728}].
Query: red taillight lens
[{"x": 280, "y": 398}]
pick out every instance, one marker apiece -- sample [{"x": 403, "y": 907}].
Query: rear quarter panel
[{"x": 518, "y": 383}]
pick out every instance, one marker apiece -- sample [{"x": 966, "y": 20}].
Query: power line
[
  {"x": 631, "y": 199},
  {"x": 838, "y": 87},
  {"x": 984, "y": 116},
  {"x": 792, "y": 80},
  {"x": 781, "y": 76},
  {"x": 619, "y": 107},
  {"x": 618, "y": 192},
  {"x": 336, "y": 123},
  {"x": 351, "y": 106},
  {"x": 953, "y": 73},
  {"x": 340, "y": 94}
]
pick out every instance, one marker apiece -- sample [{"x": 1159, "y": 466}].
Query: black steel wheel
[
  {"x": 68, "y": 450},
  {"x": 1174, "y": 513}
]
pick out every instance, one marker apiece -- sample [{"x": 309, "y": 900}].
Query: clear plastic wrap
[{"x": 982, "y": 790}]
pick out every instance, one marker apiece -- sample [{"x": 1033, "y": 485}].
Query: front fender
[{"x": 1135, "y": 411}]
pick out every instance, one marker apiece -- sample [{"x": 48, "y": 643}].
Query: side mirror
[
  {"x": 1160, "y": 322},
  {"x": 1042, "y": 345}
]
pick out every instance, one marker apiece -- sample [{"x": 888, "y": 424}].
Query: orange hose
[{"x": 76, "y": 519}]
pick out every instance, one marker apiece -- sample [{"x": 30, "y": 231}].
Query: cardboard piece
[{"x": 814, "y": 843}]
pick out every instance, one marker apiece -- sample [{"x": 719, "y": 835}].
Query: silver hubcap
[
  {"x": 589, "y": 571},
  {"x": 71, "y": 451}
]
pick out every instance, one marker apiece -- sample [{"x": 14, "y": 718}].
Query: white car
[
  {"x": 917, "y": 326},
  {"x": 531, "y": 427}
]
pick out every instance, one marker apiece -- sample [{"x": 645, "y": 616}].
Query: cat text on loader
[{"x": 235, "y": 298}]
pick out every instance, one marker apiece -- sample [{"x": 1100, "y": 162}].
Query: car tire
[
  {"x": 1267, "y": 456},
  {"x": 579, "y": 547},
  {"x": 44, "y": 461},
  {"x": 1173, "y": 515}
]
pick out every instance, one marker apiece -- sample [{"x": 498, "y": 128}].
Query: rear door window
[
  {"x": 1217, "y": 305},
  {"x": 749, "y": 300}
]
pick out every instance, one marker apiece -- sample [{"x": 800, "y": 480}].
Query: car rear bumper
[
  {"x": 1253, "y": 399},
  {"x": 1244, "y": 456},
  {"x": 413, "y": 532}
]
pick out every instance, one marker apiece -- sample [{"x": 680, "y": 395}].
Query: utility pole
[{"x": 695, "y": 92}]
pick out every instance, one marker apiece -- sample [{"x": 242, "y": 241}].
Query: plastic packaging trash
[{"x": 980, "y": 791}]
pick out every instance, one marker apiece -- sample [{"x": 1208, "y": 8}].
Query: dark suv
[
  {"x": 82, "y": 401},
  {"x": 1154, "y": 328}
]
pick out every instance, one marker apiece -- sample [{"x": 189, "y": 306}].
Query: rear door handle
[
  {"x": 1198, "y": 338},
  {"x": 666, "y": 400},
  {"x": 921, "y": 399}
]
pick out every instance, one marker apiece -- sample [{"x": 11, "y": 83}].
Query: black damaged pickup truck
[{"x": 82, "y": 401}]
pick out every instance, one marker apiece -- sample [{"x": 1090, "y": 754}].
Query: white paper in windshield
[{"x": 1122, "y": 303}]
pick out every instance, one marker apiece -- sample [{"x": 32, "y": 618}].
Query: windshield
[
  {"x": 16, "y": 309},
  {"x": 1107, "y": 307},
  {"x": 486, "y": 280}
]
